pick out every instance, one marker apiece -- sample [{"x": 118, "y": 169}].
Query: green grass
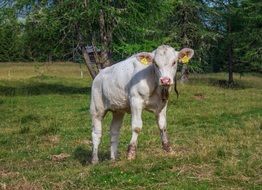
[{"x": 215, "y": 132}]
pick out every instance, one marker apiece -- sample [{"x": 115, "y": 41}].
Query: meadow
[{"x": 45, "y": 134}]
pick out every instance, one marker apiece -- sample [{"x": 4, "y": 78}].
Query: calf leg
[
  {"x": 114, "y": 132},
  {"x": 161, "y": 122},
  {"x": 96, "y": 136},
  {"x": 136, "y": 111}
]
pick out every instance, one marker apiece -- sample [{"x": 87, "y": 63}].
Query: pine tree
[{"x": 187, "y": 26}]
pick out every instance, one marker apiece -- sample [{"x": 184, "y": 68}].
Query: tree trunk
[
  {"x": 105, "y": 40},
  {"x": 99, "y": 64},
  {"x": 50, "y": 60},
  {"x": 88, "y": 62},
  {"x": 184, "y": 74},
  {"x": 230, "y": 53},
  {"x": 230, "y": 65}
]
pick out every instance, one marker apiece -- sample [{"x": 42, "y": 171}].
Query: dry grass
[
  {"x": 17, "y": 71},
  {"x": 21, "y": 185},
  {"x": 200, "y": 172}
]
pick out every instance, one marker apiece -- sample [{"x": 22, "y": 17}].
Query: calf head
[
  {"x": 165, "y": 63},
  {"x": 165, "y": 60}
]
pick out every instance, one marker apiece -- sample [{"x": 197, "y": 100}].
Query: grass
[{"x": 215, "y": 132}]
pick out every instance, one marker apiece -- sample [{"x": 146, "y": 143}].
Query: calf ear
[
  {"x": 145, "y": 58},
  {"x": 185, "y": 55}
]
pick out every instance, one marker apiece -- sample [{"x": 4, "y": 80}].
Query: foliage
[
  {"x": 10, "y": 36},
  {"x": 239, "y": 24},
  {"x": 49, "y": 30},
  {"x": 249, "y": 49}
]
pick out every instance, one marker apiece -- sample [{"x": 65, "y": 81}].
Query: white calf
[{"x": 140, "y": 82}]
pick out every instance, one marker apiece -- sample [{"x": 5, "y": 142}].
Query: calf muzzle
[{"x": 165, "y": 81}]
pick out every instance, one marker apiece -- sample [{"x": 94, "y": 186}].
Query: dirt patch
[
  {"x": 21, "y": 185},
  {"x": 178, "y": 152},
  {"x": 60, "y": 157},
  {"x": 83, "y": 142},
  {"x": 6, "y": 174},
  {"x": 240, "y": 177},
  {"x": 199, "y": 96},
  {"x": 53, "y": 139},
  {"x": 181, "y": 152}
]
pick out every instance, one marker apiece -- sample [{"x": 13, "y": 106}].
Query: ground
[{"x": 45, "y": 134}]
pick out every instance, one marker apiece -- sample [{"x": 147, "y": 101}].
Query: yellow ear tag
[
  {"x": 144, "y": 61},
  {"x": 185, "y": 59}
]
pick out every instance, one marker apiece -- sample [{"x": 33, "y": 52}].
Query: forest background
[{"x": 225, "y": 34}]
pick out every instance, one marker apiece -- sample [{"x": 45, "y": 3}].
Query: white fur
[{"x": 129, "y": 86}]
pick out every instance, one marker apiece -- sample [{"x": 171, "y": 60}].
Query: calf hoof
[
  {"x": 131, "y": 152},
  {"x": 166, "y": 147}
]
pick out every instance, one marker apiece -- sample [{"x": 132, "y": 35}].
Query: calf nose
[{"x": 165, "y": 81}]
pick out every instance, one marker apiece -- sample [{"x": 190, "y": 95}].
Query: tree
[
  {"x": 10, "y": 41},
  {"x": 239, "y": 24},
  {"x": 54, "y": 28},
  {"x": 225, "y": 34},
  {"x": 187, "y": 26},
  {"x": 249, "y": 37}
]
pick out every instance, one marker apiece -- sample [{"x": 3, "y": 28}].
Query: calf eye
[{"x": 174, "y": 63}]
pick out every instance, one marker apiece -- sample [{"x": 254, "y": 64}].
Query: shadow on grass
[
  {"x": 84, "y": 155},
  {"x": 42, "y": 88},
  {"x": 236, "y": 120},
  {"x": 236, "y": 85},
  {"x": 227, "y": 85}
]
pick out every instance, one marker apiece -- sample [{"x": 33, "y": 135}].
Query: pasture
[{"x": 45, "y": 134}]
